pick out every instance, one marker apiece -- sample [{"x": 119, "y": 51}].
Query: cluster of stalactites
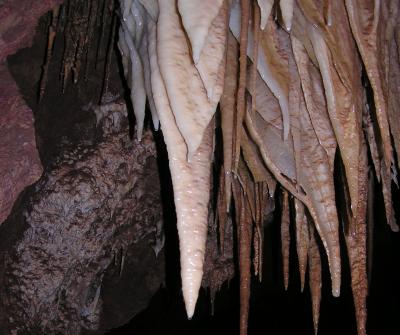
[
  {"x": 288, "y": 79},
  {"x": 88, "y": 29}
]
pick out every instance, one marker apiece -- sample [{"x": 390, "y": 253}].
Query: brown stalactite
[
  {"x": 366, "y": 18},
  {"x": 244, "y": 231},
  {"x": 259, "y": 230},
  {"x": 302, "y": 240},
  {"x": 340, "y": 67},
  {"x": 241, "y": 91},
  {"x": 314, "y": 262},
  {"x": 228, "y": 114},
  {"x": 49, "y": 52},
  {"x": 251, "y": 156},
  {"x": 328, "y": 12},
  {"x": 294, "y": 111},
  {"x": 285, "y": 238},
  {"x": 221, "y": 209},
  {"x": 256, "y": 33},
  {"x": 356, "y": 249},
  {"x": 356, "y": 241},
  {"x": 256, "y": 252},
  {"x": 371, "y": 139},
  {"x": 387, "y": 196},
  {"x": 109, "y": 52},
  {"x": 370, "y": 225}
]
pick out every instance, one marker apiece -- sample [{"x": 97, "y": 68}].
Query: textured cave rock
[
  {"x": 19, "y": 161},
  {"x": 78, "y": 253}
]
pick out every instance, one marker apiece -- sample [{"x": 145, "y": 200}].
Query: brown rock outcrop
[{"x": 87, "y": 228}]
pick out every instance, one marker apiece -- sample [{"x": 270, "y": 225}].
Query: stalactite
[
  {"x": 356, "y": 241},
  {"x": 49, "y": 51},
  {"x": 302, "y": 240},
  {"x": 241, "y": 91},
  {"x": 228, "y": 108},
  {"x": 285, "y": 238},
  {"x": 314, "y": 261},
  {"x": 222, "y": 215},
  {"x": 244, "y": 230},
  {"x": 110, "y": 49},
  {"x": 256, "y": 252},
  {"x": 259, "y": 230},
  {"x": 366, "y": 35},
  {"x": 91, "y": 28},
  {"x": 77, "y": 22},
  {"x": 256, "y": 33}
]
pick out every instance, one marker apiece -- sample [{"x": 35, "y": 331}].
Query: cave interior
[{"x": 90, "y": 245}]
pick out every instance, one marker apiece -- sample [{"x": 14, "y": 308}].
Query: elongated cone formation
[{"x": 294, "y": 111}]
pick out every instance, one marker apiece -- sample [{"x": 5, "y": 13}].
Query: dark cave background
[{"x": 143, "y": 303}]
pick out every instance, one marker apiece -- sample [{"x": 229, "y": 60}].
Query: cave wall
[{"x": 19, "y": 161}]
